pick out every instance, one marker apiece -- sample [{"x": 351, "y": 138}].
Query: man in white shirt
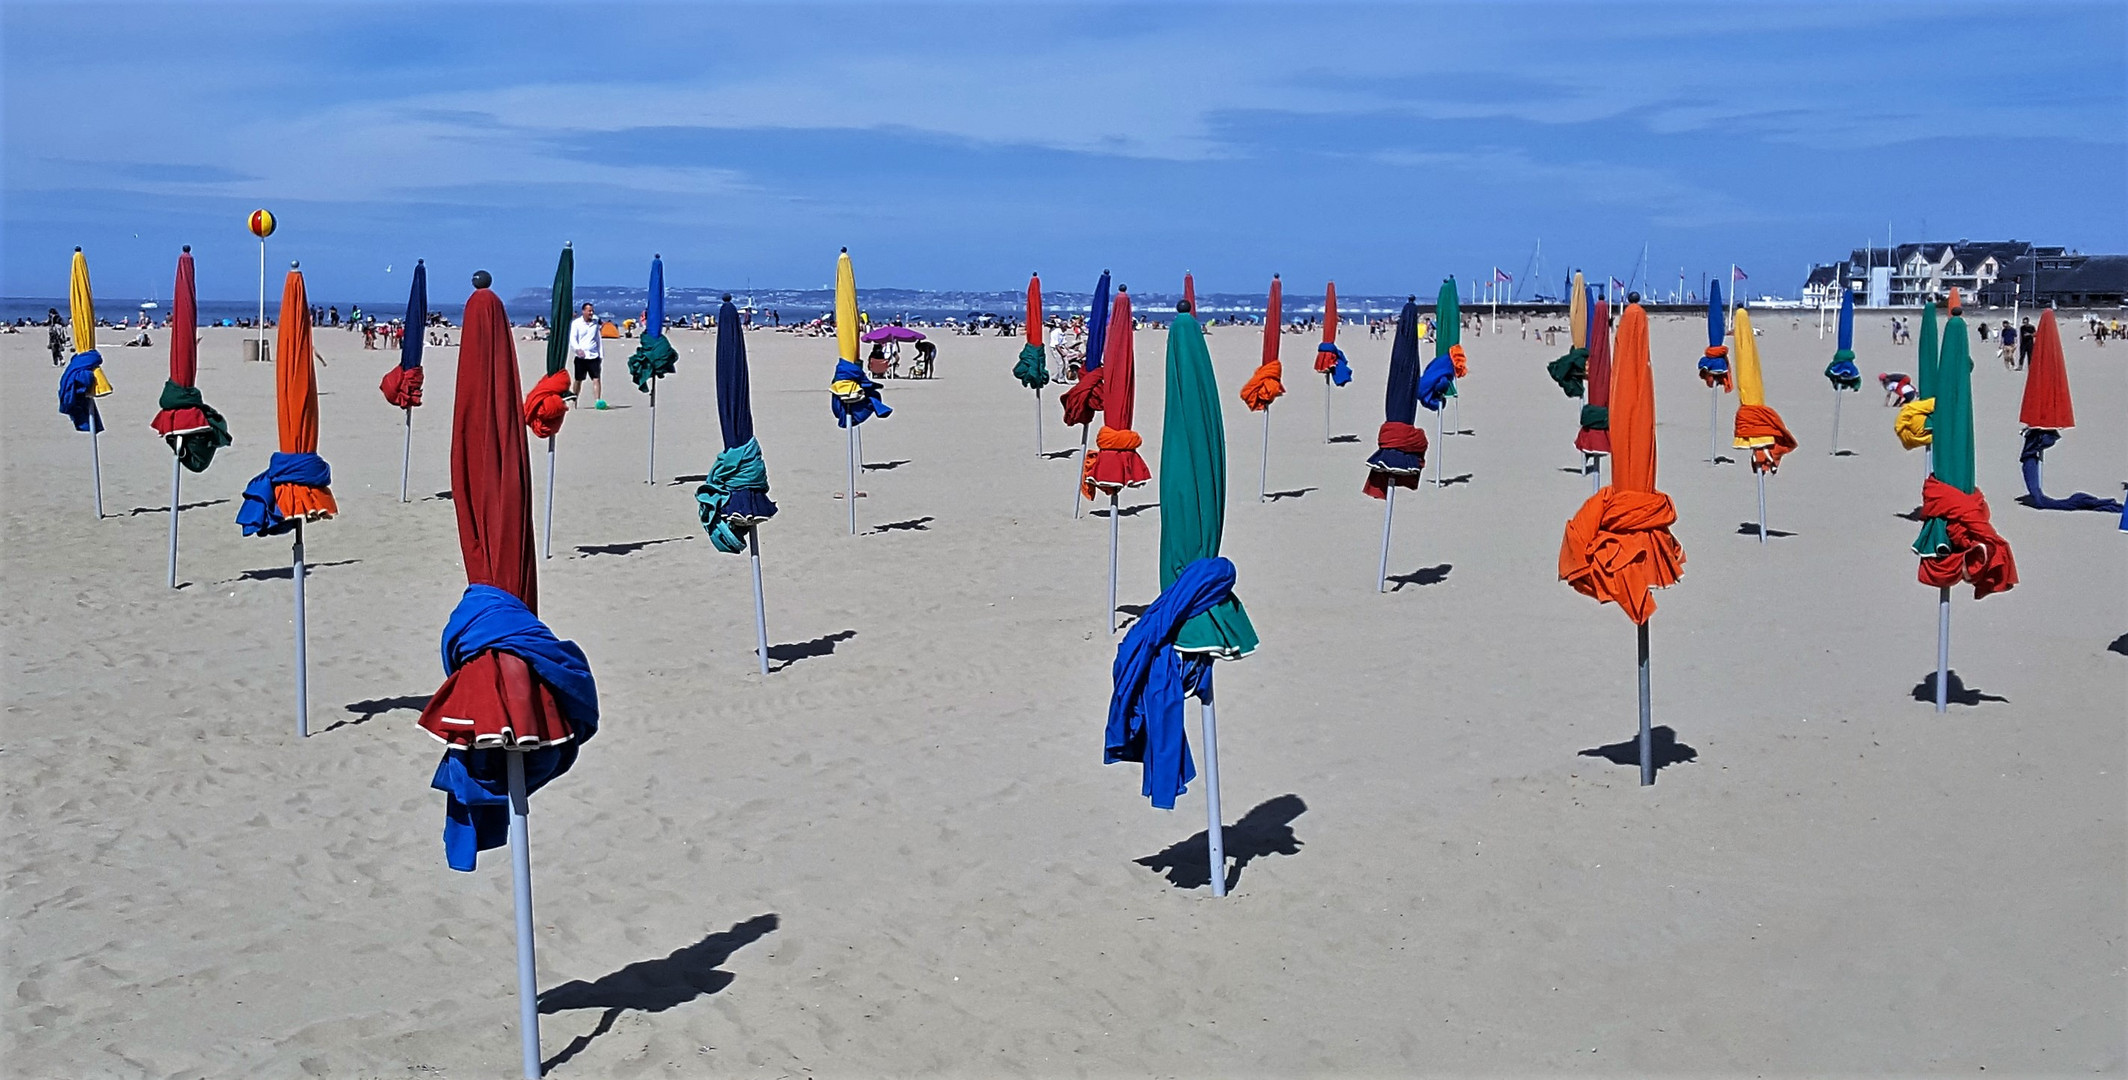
[{"x": 584, "y": 353}]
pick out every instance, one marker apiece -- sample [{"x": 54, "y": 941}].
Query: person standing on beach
[
  {"x": 55, "y": 335},
  {"x": 2008, "y": 337},
  {"x": 584, "y": 352},
  {"x": 2024, "y": 344}
]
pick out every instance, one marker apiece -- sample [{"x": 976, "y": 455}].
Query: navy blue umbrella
[
  {"x": 1400, "y": 447},
  {"x": 733, "y": 499},
  {"x": 402, "y": 384}
]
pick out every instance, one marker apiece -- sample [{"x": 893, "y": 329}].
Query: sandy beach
[{"x": 899, "y": 854}]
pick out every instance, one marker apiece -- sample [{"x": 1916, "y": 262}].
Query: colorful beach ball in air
[{"x": 262, "y": 223}]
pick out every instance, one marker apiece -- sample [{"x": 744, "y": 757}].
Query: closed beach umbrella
[
  {"x": 185, "y": 421},
  {"x": 1618, "y": 547},
  {"x": 1758, "y": 427},
  {"x": 1083, "y": 400},
  {"x": 297, "y": 484},
  {"x": 1267, "y": 384},
  {"x": 1115, "y": 464},
  {"x": 1714, "y": 362},
  {"x": 852, "y": 395},
  {"x": 1437, "y": 383},
  {"x": 516, "y": 702},
  {"x": 402, "y": 384},
  {"x": 1400, "y": 446},
  {"x": 2046, "y": 412},
  {"x": 547, "y": 403},
  {"x": 1842, "y": 372},
  {"x": 1594, "y": 439},
  {"x": 82, "y": 381},
  {"x": 1189, "y": 291},
  {"x": 1571, "y": 371},
  {"x": 1958, "y": 541},
  {"x": 1329, "y": 359},
  {"x": 1196, "y": 619},
  {"x": 1033, "y": 369},
  {"x": 733, "y": 499},
  {"x": 1911, "y": 423},
  {"x": 654, "y": 357}
]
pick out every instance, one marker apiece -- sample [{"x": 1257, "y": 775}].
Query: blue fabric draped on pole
[
  {"x": 417, "y": 318},
  {"x": 476, "y": 812},
  {"x": 1711, "y": 366},
  {"x": 1340, "y": 372},
  {"x": 1145, "y": 722},
  {"x": 2037, "y": 441},
  {"x": 1842, "y": 372},
  {"x": 77, "y": 391},
  {"x": 654, "y": 317},
  {"x": 1435, "y": 383},
  {"x": 261, "y": 513},
  {"x": 863, "y": 408},
  {"x": 737, "y": 472},
  {"x": 1097, "y": 325}
]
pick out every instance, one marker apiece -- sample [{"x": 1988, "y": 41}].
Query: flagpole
[
  {"x": 176, "y": 476},
  {"x": 753, "y": 544},
  {"x": 1263, "y": 475},
  {"x": 521, "y": 891},
  {"x": 1215, "y": 841},
  {"x": 302, "y": 639},
  {"x": 1381, "y": 577},
  {"x": 546, "y": 543},
  {"x": 1943, "y": 649},
  {"x": 406, "y": 455},
  {"x": 1113, "y": 534},
  {"x": 1647, "y": 733}
]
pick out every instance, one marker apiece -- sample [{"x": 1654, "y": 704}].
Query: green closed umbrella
[
  {"x": 1925, "y": 377},
  {"x": 1193, "y": 488}
]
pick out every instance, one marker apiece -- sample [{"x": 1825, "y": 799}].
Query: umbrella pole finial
[{"x": 521, "y": 891}]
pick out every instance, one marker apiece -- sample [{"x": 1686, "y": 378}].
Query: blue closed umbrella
[
  {"x": 402, "y": 384},
  {"x": 733, "y": 499},
  {"x": 654, "y": 319},
  {"x": 654, "y": 357}
]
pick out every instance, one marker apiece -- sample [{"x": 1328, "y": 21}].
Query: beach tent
[
  {"x": 547, "y": 403},
  {"x": 1958, "y": 541},
  {"x": 516, "y": 703},
  {"x": 1400, "y": 446},
  {"x": 1114, "y": 464},
  {"x": 402, "y": 384},
  {"x": 733, "y": 499},
  {"x": 1618, "y": 547},
  {"x": 1197, "y": 618},
  {"x": 83, "y": 381},
  {"x": 1594, "y": 439},
  {"x": 654, "y": 357},
  {"x": 1842, "y": 372},
  {"x": 2046, "y": 412},
  {"x": 185, "y": 421},
  {"x": 1329, "y": 359},
  {"x": 1032, "y": 369},
  {"x": 1267, "y": 384},
  {"x": 297, "y": 485},
  {"x": 1571, "y": 370},
  {"x": 852, "y": 396},
  {"x": 1758, "y": 427}
]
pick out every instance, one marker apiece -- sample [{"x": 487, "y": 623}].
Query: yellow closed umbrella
[
  {"x": 1758, "y": 428},
  {"x": 846, "y": 317},
  {"x": 83, "y": 380},
  {"x": 1750, "y": 388},
  {"x": 81, "y": 301}
]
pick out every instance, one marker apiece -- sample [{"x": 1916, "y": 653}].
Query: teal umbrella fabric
[
  {"x": 654, "y": 357},
  {"x": 1193, "y": 489}
]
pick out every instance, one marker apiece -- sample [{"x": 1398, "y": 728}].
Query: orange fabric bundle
[
  {"x": 1761, "y": 422},
  {"x": 296, "y": 401},
  {"x": 1618, "y": 546},
  {"x": 1977, "y": 553},
  {"x": 1264, "y": 387},
  {"x": 547, "y": 404},
  {"x": 1455, "y": 355},
  {"x": 1115, "y": 463}
]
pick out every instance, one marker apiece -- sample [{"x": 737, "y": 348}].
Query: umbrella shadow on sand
[
  {"x": 786, "y": 655},
  {"x": 1425, "y": 575},
  {"x": 365, "y": 711},
  {"x": 1956, "y": 692},
  {"x": 2120, "y": 645},
  {"x": 654, "y": 985},
  {"x": 182, "y": 507},
  {"x": 585, "y": 551},
  {"x": 1266, "y": 830},
  {"x": 288, "y": 573},
  {"x": 1668, "y": 751}
]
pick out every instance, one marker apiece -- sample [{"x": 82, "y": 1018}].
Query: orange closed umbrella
[
  {"x": 1618, "y": 547},
  {"x": 1267, "y": 384}
]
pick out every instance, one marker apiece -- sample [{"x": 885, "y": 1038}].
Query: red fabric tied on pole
[
  {"x": 1977, "y": 553},
  {"x": 1325, "y": 361},
  {"x": 2046, "y": 402},
  {"x": 402, "y": 387},
  {"x": 1396, "y": 436},
  {"x": 1761, "y": 422},
  {"x": 1083, "y": 400},
  {"x": 494, "y": 702},
  {"x": 1114, "y": 462},
  {"x": 1721, "y": 379},
  {"x": 1118, "y": 465},
  {"x": 548, "y": 404}
]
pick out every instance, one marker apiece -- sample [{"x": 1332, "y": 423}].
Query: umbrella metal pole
[
  {"x": 1215, "y": 841},
  {"x": 1836, "y": 421},
  {"x": 1593, "y": 465},
  {"x": 1762, "y": 504},
  {"x": 176, "y": 478},
  {"x": 1381, "y": 577},
  {"x": 1263, "y": 475},
  {"x": 1114, "y": 528},
  {"x": 1459, "y": 414},
  {"x": 521, "y": 890},
  {"x": 851, "y": 495},
  {"x": 652, "y": 476},
  {"x": 753, "y": 547},
  {"x": 1440, "y": 453},
  {"x": 1078, "y": 483},
  {"x": 1039, "y": 449},
  {"x": 406, "y": 454},
  {"x": 1647, "y": 733},
  {"x": 96, "y": 464},
  {"x": 546, "y": 540},
  {"x": 1943, "y": 650},
  {"x": 1714, "y": 408},
  {"x": 1326, "y": 406},
  {"x": 302, "y": 641}
]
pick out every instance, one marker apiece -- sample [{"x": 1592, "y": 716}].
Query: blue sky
[{"x": 962, "y": 146}]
